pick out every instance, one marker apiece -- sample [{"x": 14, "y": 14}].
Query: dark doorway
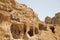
[
  {"x": 30, "y": 31},
  {"x": 52, "y": 29},
  {"x": 15, "y": 31}
]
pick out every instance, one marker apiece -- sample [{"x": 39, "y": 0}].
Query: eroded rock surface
[
  {"x": 19, "y": 22},
  {"x": 53, "y": 20},
  {"x": 48, "y": 20}
]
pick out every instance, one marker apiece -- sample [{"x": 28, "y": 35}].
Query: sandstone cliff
[
  {"x": 53, "y": 20},
  {"x": 19, "y": 22}
]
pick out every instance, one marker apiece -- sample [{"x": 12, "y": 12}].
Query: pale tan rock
[
  {"x": 48, "y": 20},
  {"x": 19, "y": 22},
  {"x": 56, "y": 18}
]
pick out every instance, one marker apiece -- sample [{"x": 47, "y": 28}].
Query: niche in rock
[
  {"x": 52, "y": 29},
  {"x": 15, "y": 31},
  {"x": 30, "y": 32},
  {"x": 42, "y": 27}
]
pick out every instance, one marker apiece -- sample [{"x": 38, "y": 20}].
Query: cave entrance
[
  {"x": 15, "y": 31},
  {"x": 42, "y": 27},
  {"x": 30, "y": 32},
  {"x": 52, "y": 29}
]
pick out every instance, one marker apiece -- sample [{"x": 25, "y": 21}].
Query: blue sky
[{"x": 43, "y": 7}]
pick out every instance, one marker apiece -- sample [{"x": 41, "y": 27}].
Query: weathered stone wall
[{"x": 19, "y": 22}]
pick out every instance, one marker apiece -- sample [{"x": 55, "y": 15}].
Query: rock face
[
  {"x": 53, "y": 20},
  {"x": 48, "y": 20},
  {"x": 56, "y": 18},
  {"x": 19, "y": 22}
]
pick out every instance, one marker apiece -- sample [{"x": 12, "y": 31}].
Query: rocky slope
[
  {"x": 53, "y": 20},
  {"x": 19, "y": 22}
]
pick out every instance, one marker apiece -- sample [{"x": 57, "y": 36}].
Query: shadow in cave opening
[{"x": 15, "y": 31}]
